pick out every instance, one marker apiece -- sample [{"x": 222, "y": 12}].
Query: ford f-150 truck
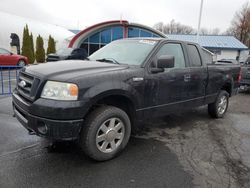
[{"x": 100, "y": 101}]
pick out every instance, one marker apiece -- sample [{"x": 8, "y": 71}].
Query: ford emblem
[{"x": 22, "y": 83}]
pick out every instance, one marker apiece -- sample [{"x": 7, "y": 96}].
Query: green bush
[
  {"x": 32, "y": 57},
  {"x": 51, "y": 46},
  {"x": 40, "y": 52},
  {"x": 26, "y": 46}
]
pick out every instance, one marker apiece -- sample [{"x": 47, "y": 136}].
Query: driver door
[{"x": 167, "y": 90}]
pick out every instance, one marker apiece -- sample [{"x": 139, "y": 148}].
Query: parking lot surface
[{"x": 180, "y": 150}]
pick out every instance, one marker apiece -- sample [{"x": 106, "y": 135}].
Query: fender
[{"x": 108, "y": 88}]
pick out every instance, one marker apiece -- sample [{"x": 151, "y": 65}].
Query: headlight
[{"x": 60, "y": 91}]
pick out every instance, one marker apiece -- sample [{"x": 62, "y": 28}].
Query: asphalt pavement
[{"x": 180, "y": 150}]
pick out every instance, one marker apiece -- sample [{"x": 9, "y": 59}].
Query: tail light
[{"x": 239, "y": 76}]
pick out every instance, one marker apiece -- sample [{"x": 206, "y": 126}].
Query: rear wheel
[
  {"x": 219, "y": 107},
  {"x": 105, "y": 133},
  {"x": 21, "y": 63}
]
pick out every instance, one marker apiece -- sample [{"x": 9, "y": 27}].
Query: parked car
[
  {"x": 8, "y": 58},
  {"x": 245, "y": 80},
  {"x": 228, "y": 61},
  {"x": 68, "y": 53},
  {"x": 99, "y": 101}
]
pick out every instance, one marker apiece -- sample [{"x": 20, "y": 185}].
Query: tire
[
  {"x": 219, "y": 107},
  {"x": 21, "y": 63},
  {"x": 112, "y": 126}
]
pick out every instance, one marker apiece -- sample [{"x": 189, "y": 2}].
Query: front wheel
[
  {"x": 219, "y": 107},
  {"x": 105, "y": 133}
]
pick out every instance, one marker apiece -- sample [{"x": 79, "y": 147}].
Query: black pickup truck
[{"x": 100, "y": 101}]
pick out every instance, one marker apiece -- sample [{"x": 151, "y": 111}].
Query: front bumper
[{"x": 46, "y": 127}]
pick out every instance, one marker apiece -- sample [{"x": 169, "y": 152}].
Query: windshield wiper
[{"x": 108, "y": 60}]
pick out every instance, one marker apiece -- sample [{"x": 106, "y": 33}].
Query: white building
[
  {"x": 223, "y": 46},
  {"x": 14, "y": 24}
]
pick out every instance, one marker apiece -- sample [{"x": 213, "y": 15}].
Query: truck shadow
[{"x": 185, "y": 120}]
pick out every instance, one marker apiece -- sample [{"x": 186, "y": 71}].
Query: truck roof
[{"x": 158, "y": 39}]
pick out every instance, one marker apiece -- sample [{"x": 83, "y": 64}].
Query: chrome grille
[{"x": 27, "y": 86}]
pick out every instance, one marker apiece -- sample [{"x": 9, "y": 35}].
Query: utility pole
[
  {"x": 78, "y": 25},
  {"x": 199, "y": 22}
]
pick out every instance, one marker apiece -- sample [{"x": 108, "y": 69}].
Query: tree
[
  {"x": 51, "y": 46},
  {"x": 40, "y": 52},
  {"x": 178, "y": 28},
  {"x": 240, "y": 25},
  {"x": 26, "y": 46},
  {"x": 174, "y": 28},
  {"x": 32, "y": 57},
  {"x": 205, "y": 31}
]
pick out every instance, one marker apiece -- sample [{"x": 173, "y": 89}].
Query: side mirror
[{"x": 165, "y": 61}]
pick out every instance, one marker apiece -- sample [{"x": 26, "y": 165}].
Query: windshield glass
[
  {"x": 64, "y": 51},
  {"x": 132, "y": 52}
]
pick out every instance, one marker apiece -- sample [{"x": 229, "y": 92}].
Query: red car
[{"x": 8, "y": 58}]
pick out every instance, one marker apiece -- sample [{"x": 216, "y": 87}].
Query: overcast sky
[{"x": 83, "y": 13}]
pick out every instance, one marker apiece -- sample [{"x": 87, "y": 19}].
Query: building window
[
  {"x": 144, "y": 33},
  {"x": 137, "y": 32},
  {"x": 105, "y": 36},
  {"x": 156, "y": 36},
  {"x": 117, "y": 33},
  {"x": 95, "y": 38},
  {"x": 133, "y": 32}
]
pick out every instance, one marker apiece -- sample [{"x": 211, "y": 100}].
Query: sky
[{"x": 78, "y": 14}]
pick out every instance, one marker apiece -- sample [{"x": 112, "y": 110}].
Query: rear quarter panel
[{"x": 220, "y": 76}]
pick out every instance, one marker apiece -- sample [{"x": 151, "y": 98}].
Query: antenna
[
  {"x": 121, "y": 18},
  {"x": 199, "y": 22}
]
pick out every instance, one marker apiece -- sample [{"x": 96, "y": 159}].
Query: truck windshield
[{"x": 132, "y": 52}]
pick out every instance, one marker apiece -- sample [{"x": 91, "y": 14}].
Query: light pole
[{"x": 199, "y": 22}]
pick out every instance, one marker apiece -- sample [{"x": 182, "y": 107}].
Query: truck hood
[{"x": 66, "y": 70}]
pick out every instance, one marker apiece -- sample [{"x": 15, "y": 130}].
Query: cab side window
[
  {"x": 175, "y": 50},
  {"x": 194, "y": 56}
]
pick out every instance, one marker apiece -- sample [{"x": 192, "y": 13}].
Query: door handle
[{"x": 187, "y": 77}]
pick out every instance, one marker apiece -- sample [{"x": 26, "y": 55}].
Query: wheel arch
[
  {"x": 118, "y": 98},
  {"x": 228, "y": 87}
]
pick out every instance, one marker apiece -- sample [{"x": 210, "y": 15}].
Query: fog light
[{"x": 42, "y": 127}]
